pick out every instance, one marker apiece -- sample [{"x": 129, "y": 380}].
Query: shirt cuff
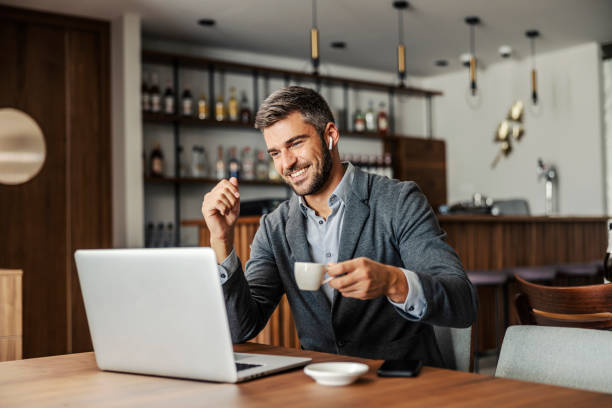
[
  {"x": 228, "y": 266},
  {"x": 415, "y": 303}
]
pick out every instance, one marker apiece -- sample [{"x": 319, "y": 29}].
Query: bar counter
[{"x": 484, "y": 243}]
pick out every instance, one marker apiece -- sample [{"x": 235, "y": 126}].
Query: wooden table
[{"x": 74, "y": 380}]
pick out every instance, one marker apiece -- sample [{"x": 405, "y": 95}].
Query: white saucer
[{"x": 336, "y": 373}]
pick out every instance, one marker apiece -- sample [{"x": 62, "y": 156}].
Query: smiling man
[{"x": 394, "y": 274}]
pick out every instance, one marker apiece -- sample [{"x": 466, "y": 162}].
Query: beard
[{"x": 322, "y": 171}]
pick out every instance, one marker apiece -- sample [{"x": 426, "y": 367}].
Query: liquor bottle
[
  {"x": 248, "y": 164},
  {"x": 145, "y": 94},
  {"x": 155, "y": 94},
  {"x": 149, "y": 235},
  {"x": 382, "y": 120},
  {"x": 388, "y": 167},
  {"x": 159, "y": 236},
  {"x": 187, "y": 102},
  {"x": 203, "y": 111},
  {"x": 169, "y": 241},
  {"x": 261, "y": 167},
  {"x": 245, "y": 112},
  {"x": 232, "y": 105},
  {"x": 169, "y": 100},
  {"x": 272, "y": 173},
  {"x": 608, "y": 258},
  {"x": 380, "y": 165},
  {"x": 370, "y": 118},
  {"x": 359, "y": 121},
  {"x": 220, "y": 109},
  {"x": 157, "y": 162},
  {"x": 233, "y": 165},
  {"x": 196, "y": 169},
  {"x": 220, "y": 166}
]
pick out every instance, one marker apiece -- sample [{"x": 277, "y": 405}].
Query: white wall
[
  {"x": 159, "y": 199},
  {"x": 566, "y": 131},
  {"x": 126, "y": 132}
]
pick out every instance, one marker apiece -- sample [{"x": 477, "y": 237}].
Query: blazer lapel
[
  {"x": 356, "y": 213},
  {"x": 295, "y": 231},
  {"x": 357, "y": 207}
]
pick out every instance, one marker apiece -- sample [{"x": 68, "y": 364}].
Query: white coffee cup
[{"x": 309, "y": 275}]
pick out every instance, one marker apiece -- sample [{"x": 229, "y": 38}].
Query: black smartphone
[{"x": 400, "y": 368}]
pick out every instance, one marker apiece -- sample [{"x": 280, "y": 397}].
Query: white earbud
[{"x": 331, "y": 141}]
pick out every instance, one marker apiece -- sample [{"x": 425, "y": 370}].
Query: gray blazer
[{"x": 385, "y": 220}]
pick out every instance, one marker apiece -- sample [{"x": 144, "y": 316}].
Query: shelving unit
[{"x": 177, "y": 62}]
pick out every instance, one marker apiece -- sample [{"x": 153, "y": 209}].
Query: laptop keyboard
[{"x": 244, "y": 366}]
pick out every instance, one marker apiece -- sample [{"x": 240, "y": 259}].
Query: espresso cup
[{"x": 309, "y": 275}]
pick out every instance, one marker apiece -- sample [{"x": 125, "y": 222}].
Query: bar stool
[
  {"x": 497, "y": 281},
  {"x": 576, "y": 274}
]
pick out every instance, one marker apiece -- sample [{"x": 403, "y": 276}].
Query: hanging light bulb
[
  {"x": 401, "y": 49},
  {"x": 532, "y": 35},
  {"x": 314, "y": 40},
  {"x": 472, "y": 21}
]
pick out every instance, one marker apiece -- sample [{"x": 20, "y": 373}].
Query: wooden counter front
[{"x": 483, "y": 243}]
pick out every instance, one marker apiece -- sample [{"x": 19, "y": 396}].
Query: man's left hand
[{"x": 364, "y": 278}]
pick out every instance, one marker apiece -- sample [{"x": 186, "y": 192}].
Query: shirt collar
[{"x": 341, "y": 192}]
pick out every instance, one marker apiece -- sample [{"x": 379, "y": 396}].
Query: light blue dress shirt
[{"x": 323, "y": 237}]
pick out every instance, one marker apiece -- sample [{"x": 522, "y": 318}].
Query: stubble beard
[{"x": 322, "y": 172}]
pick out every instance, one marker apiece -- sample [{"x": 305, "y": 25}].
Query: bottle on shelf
[
  {"x": 149, "y": 235},
  {"x": 157, "y": 161},
  {"x": 272, "y": 173},
  {"x": 233, "y": 165},
  {"x": 246, "y": 116},
  {"x": 169, "y": 238},
  {"x": 220, "y": 165},
  {"x": 261, "y": 167},
  {"x": 232, "y": 105},
  {"x": 382, "y": 120},
  {"x": 607, "y": 264},
  {"x": 196, "y": 160},
  {"x": 155, "y": 94},
  {"x": 359, "y": 121},
  {"x": 220, "y": 109},
  {"x": 248, "y": 164},
  {"x": 203, "y": 110},
  {"x": 169, "y": 100},
  {"x": 380, "y": 165},
  {"x": 388, "y": 166},
  {"x": 145, "y": 93},
  {"x": 159, "y": 236},
  {"x": 187, "y": 102},
  {"x": 370, "y": 118}
]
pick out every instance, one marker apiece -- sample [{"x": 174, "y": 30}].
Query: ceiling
[{"x": 434, "y": 29}]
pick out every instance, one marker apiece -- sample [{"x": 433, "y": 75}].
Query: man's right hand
[{"x": 221, "y": 208}]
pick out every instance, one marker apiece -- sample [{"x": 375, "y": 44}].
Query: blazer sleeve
[
  {"x": 251, "y": 297},
  {"x": 451, "y": 298}
]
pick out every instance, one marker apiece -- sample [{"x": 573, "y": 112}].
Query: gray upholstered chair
[
  {"x": 565, "y": 356},
  {"x": 456, "y": 347}
]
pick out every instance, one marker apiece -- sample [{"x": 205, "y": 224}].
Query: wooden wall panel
[
  {"x": 52, "y": 69},
  {"x": 90, "y": 214},
  {"x": 423, "y": 161}
]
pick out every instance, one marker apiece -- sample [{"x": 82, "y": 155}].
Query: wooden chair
[{"x": 587, "y": 307}]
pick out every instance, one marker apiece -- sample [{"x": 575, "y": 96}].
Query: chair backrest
[
  {"x": 456, "y": 347},
  {"x": 588, "y": 307},
  {"x": 564, "y": 356}
]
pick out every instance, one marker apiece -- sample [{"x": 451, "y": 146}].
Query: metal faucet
[{"x": 549, "y": 174}]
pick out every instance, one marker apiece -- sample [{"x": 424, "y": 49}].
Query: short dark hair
[{"x": 286, "y": 101}]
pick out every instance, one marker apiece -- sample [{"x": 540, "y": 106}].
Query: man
[{"x": 394, "y": 275}]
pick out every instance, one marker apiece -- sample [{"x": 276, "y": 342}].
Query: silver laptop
[{"x": 162, "y": 312}]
